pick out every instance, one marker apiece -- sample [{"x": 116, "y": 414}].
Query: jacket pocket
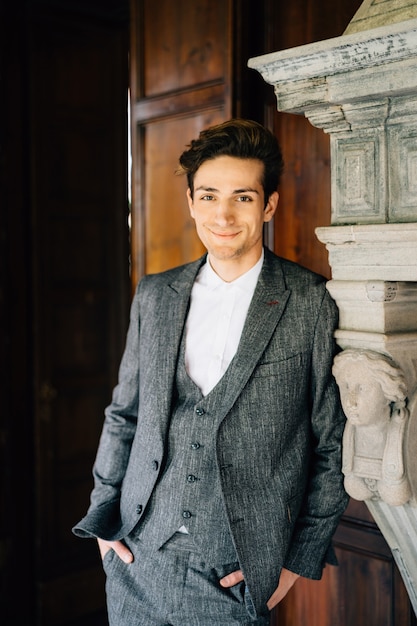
[
  {"x": 278, "y": 366},
  {"x": 293, "y": 507}
]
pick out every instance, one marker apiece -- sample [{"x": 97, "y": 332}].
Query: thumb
[
  {"x": 232, "y": 579},
  {"x": 120, "y": 549},
  {"x": 123, "y": 552}
]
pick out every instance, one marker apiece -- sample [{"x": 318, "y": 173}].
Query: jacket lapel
[
  {"x": 172, "y": 314},
  {"x": 267, "y": 306}
]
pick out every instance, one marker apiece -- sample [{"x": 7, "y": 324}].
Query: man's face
[{"x": 229, "y": 209}]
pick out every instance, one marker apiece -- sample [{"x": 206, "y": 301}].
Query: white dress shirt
[{"x": 215, "y": 322}]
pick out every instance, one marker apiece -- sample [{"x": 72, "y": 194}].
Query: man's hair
[{"x": 239, "y": 138}]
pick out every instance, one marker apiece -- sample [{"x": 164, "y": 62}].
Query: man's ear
[
  {"x": 271, "y": 206},
  {"x": 190, "y": 202}
]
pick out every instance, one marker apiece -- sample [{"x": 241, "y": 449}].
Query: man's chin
[{"x": 224, "y": 254}]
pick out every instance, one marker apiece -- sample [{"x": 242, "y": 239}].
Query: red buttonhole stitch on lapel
[{"x": 272, "y": 302}]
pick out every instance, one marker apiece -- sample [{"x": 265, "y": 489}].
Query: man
[{"x": 218, "y": 476}]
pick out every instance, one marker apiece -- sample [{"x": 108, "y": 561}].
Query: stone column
[{"x": 361, "y": 88}]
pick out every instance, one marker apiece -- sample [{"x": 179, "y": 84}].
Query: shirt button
[
  {"x": 195, "y": 445},
  {"x": 139, "y": 509},
  {"x": 199, "y": 410},
  {"x": 186, "y": 514},
  {"x": 191, "y": 478},
  {"x": 155, "y": 465}
]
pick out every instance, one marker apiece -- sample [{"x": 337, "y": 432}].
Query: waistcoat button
[
  {"x": 155, "y": 465},
  {"x": 195, "y": 445},
  {"x": 139, "y": 509},
  {"x": 200, "y": 411},
  {"x": 191, "y": 478},
  {"x": 186, "y": 514}
]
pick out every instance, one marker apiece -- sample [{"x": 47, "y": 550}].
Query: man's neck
[{"x": 231, "y": 269}]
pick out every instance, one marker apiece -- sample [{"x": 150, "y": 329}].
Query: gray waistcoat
[{"x": 188, "y": 491}]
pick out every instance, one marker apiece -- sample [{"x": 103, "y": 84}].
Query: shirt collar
[{"x": 207, "y": 277}]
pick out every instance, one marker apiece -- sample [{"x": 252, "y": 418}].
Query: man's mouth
[{"x": 223, "y": 235}]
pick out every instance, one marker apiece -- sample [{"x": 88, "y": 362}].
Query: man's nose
[{"x": 224, "y": 213}]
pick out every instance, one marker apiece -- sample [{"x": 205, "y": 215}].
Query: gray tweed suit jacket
[{"x": 279, "y": 437}]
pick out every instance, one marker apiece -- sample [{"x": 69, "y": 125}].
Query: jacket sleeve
[
  {"x": 325, "y": 498},
  {"x": 103, "y": 516}
]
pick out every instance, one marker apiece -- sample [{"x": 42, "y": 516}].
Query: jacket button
[
  {"x": 199, "y": 410},
  {"x": 186, "y": 514},
  {"x": 139, "y": 509},
  {"x": 195, "y": 445},
  {"x": 191, "y": 478},
  {"x": 155, "y": 465}
]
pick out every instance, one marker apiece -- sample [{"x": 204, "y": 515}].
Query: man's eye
[
  {"x": 207, "y": 197},
  {"x": 244, "y": 199}
]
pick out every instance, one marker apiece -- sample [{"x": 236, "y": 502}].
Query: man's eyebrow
[
  {"x": 235, "y": 191},
  {"x": 204, "y": 188},
  {"x": 246, "y": 190}
]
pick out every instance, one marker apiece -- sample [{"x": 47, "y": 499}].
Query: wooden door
[
  {"x": 80, "y": 209},
  {"x": 68, "y": 283}
]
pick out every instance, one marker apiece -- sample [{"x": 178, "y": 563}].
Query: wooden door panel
[
  {"x": 170, "y": 233},
  {"x": 183, "y": 44}
]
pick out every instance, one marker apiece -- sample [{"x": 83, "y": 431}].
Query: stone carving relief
[{"x": 373, "y": 392}]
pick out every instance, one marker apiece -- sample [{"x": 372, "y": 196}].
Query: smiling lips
[{"x": 223, "y": 235}]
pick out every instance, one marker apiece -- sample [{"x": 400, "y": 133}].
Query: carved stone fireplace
[{"x": 361, "y": 88}]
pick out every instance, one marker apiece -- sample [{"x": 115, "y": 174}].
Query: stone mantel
[
  {"x": 361, "y": 89},
  {"x": 310, "y": 68}
]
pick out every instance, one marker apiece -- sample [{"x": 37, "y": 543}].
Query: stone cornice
[{"x": 390, "y": 43}]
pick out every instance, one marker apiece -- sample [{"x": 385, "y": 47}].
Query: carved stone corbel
[{"x": 373, "y": 392}]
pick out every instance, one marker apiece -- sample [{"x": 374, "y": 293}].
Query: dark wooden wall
[{"x": 64, "y": 293}]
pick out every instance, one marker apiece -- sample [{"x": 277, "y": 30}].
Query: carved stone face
[{"x": 362, "y": 397}]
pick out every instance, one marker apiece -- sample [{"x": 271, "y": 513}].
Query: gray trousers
[{"x": 173, "y": 587}]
